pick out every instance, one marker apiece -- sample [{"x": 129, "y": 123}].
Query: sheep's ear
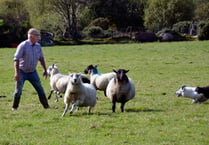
[
  {"x": 71, "y": 74},
  {"x": 126, "y": 71},
  {"x": 54, "y": 66},
  {"x": 114, "y": 70},
  {"x": 96, "y": 65}
]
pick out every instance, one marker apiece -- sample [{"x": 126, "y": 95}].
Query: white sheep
[
  {"x": 58, "y": 81},
  {"x": 120, "y": 89},
  {"x": 100, "y": 81},
  {"x": 79, "y": 94},
  {"x": 192, "y": 93}
]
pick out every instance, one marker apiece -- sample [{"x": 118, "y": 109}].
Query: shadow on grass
[
  {"x": 98, "y": 114},
  {"x": 2, "y": 96},
  {"x": 77, "y": 114},
  {"x": 142, "y": 110}
]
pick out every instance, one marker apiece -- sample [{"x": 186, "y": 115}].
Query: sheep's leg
[
  {"x": 65, "y": 111},
  {"x": 90, "y": 109},
  {"x": 194, "y": 101},
  {"x": 57, "y": 95},
  {"x": 113, "y": 103},
  {"x": 122, "y": 106},
  {"x": 50, "y": 94},
  {"x": 77, "y": 108},
  {"x": 113, "y": 106},
  {"x": 105, "y": 93},
  {"x": 74, "y": 107}
]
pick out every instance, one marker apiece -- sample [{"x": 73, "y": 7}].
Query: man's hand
[
  {"x": 17, "y": 76},
  {"x": 45, "y": 74}
]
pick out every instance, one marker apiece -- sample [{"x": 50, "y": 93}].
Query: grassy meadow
[{"x": 154, "y": 117}]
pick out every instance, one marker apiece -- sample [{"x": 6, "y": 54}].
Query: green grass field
[{"x": 154, "y": 117}]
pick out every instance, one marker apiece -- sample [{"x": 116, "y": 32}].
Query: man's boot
[
  {"x": 15, "y": 103},
  {"x": 44, "y": 101}
]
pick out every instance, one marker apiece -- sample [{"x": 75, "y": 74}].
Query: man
[{"x": 26, "y": 58}]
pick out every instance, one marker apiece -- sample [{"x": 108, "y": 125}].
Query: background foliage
[{"x": 68, "y": 19}]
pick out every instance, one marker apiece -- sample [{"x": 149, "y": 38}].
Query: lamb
[
  {"x": 120, "y": 89},
  {"x": 100, "y": 81},
  {"x": 79, "y": 94},
  {"x": 58, "y": 81},
  {"x": 191, "y": 92}
]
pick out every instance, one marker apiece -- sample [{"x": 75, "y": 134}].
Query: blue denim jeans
[{"x": 33, "y": 78}]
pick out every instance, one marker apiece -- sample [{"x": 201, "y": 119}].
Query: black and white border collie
[{"x": 197, "y": 94}]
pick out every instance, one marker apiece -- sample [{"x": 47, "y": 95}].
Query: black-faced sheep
[
  {"x": 120, "y": 89},
  {"x": 79, "y": 94},
  {"x": 58, "y": 81},
  {"x": 100, "y": 81}
]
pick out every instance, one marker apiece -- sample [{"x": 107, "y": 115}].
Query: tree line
[{"x": 79, "y": 19}]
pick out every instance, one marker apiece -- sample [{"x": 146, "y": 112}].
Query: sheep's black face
[
  {"x": 88, "y": 69},
  {"x": 121, "y": 74}
]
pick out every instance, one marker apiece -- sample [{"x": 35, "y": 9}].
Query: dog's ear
[{"x": 183, "y": 87}]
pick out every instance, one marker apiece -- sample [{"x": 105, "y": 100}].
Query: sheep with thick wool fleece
[
  {"x": 100, "y": 81},
  {"x": 120, "y": 89},
  {"x": 79, "y": 94},
  {"x": 58, "y": 81}
]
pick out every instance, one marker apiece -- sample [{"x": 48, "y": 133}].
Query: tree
[
  {"x": 202, "y": 11},
  {"x": 43, "y": 17},
  {"x": 68, "y": 10},
  {"x": 165, "y": 13},
  {"x": 155, "y": 14},
  {"x": 15, "y": 20},
  {"x": 123, "y": 13},
  {"x": 60, "y": 17}
]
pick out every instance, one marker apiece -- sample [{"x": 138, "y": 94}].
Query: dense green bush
[
  {"x": 95, "y": 32},
  {"x": 101, "y": 22},
  {"x": 98, "y": 28},
  {"x": 203, "y": 30},
  {"x": 182, "y": 27},
  {"x": 10, "y": 37}
]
